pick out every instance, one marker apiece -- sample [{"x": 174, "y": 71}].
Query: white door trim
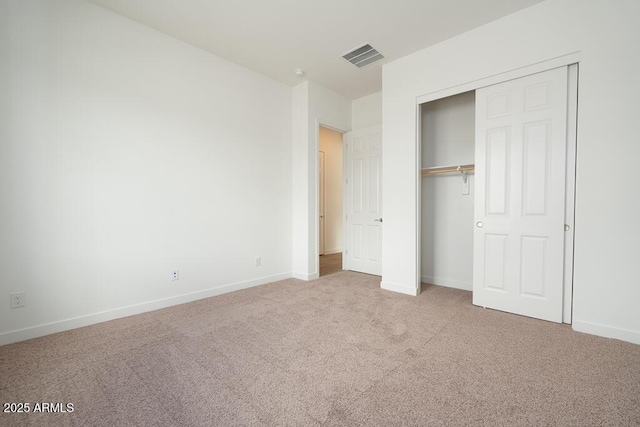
[
  {"x": 570, "y": 191},
  {"x": 316, "y": 150},
  {"x": 560, "y": 61},
  {"x": 321, "y": 202},
  {"x": 419, "y": 196}
]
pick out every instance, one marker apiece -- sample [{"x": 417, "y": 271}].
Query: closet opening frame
[{"x": 571, "y": 60}]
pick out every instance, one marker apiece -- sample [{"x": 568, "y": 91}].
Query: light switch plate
[{"x": 465, "y": 187}]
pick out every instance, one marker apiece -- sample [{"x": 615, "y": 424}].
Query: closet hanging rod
[{"x": 448, "y": 169}]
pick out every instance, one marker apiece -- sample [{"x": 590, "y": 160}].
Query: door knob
[
  {"x": 321, "y": 216},
  {"x": 378, "y": 220},
  {"x": 479, "y": 224}
]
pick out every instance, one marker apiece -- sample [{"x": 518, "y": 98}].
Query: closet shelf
[{"x": 448, "y": 169}]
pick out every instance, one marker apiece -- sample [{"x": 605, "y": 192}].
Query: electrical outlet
[
  {"x": 175, "y": 274},
  {"x": 17, "y": 300},
  {"x": 258, "y": 261}
]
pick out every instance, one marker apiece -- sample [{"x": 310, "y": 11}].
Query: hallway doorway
[
  {"x": 330, "y": 264},
  {"x": 330, "y": 200}
]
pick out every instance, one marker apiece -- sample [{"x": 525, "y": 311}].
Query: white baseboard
[
  {"x": 439, "y": 281},
  {"x": 407, "y": 290},
  {"x": 606, "y": 331},
  {"x": 116, "y": 313},
  {"x": 304, "y": 276}
]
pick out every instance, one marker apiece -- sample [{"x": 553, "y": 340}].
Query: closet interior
[{"x": 447, "y": 191}]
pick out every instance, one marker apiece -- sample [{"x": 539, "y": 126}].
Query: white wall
[
  {"x": 313, "y": 105},
  {"x": 606, "y": 34},
  {"x": 448, "y": 135},
  {"x": 366, "y": 111},
  {"x": 331, "y": 145},
  {"x": 125, "y": 153},
  {"x": 300, "y": 182}
]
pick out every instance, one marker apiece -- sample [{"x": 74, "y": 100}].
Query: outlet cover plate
[{"x": 17, "y": 300}]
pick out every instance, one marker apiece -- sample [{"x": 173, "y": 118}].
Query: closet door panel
[
  {"x": 497, "y": 148},
  {"x": 495, "y": 248},
  {"x": 520, "y": 199},
  {"x": 533, "y": 278},
  {"x": 536, "y": 171}
]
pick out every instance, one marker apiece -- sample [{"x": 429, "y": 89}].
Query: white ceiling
[{"x": 274, "y": 37}]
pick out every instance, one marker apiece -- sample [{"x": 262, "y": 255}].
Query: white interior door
[
  {"x": 321, "y": 214},
  {"x": 521, "y": 144},
  {"x": 363, "y": 201}
]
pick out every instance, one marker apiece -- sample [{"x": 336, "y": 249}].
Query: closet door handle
[
  {"x": 479, "y": 224},
  {"x": 378, "y": 220}
]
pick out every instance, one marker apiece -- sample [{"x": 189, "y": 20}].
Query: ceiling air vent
[{"x": 363, "y": 56}]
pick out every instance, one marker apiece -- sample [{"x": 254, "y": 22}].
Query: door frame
[
  {"x": 321, "y": 202},
  {"x": 572, "y": 142},
  {"x": 316, "y": 159},
  {"x": 570, "y": 191}
]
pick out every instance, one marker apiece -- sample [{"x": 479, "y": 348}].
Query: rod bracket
[{"x": 464, "y": 174}]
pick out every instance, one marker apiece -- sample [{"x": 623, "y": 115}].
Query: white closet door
[
  {"x": 521, "y": 139},
  {"x": 363, "y": 230}
]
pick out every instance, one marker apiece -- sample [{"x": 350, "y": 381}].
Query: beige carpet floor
[{"x": 331, "y": 352}]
